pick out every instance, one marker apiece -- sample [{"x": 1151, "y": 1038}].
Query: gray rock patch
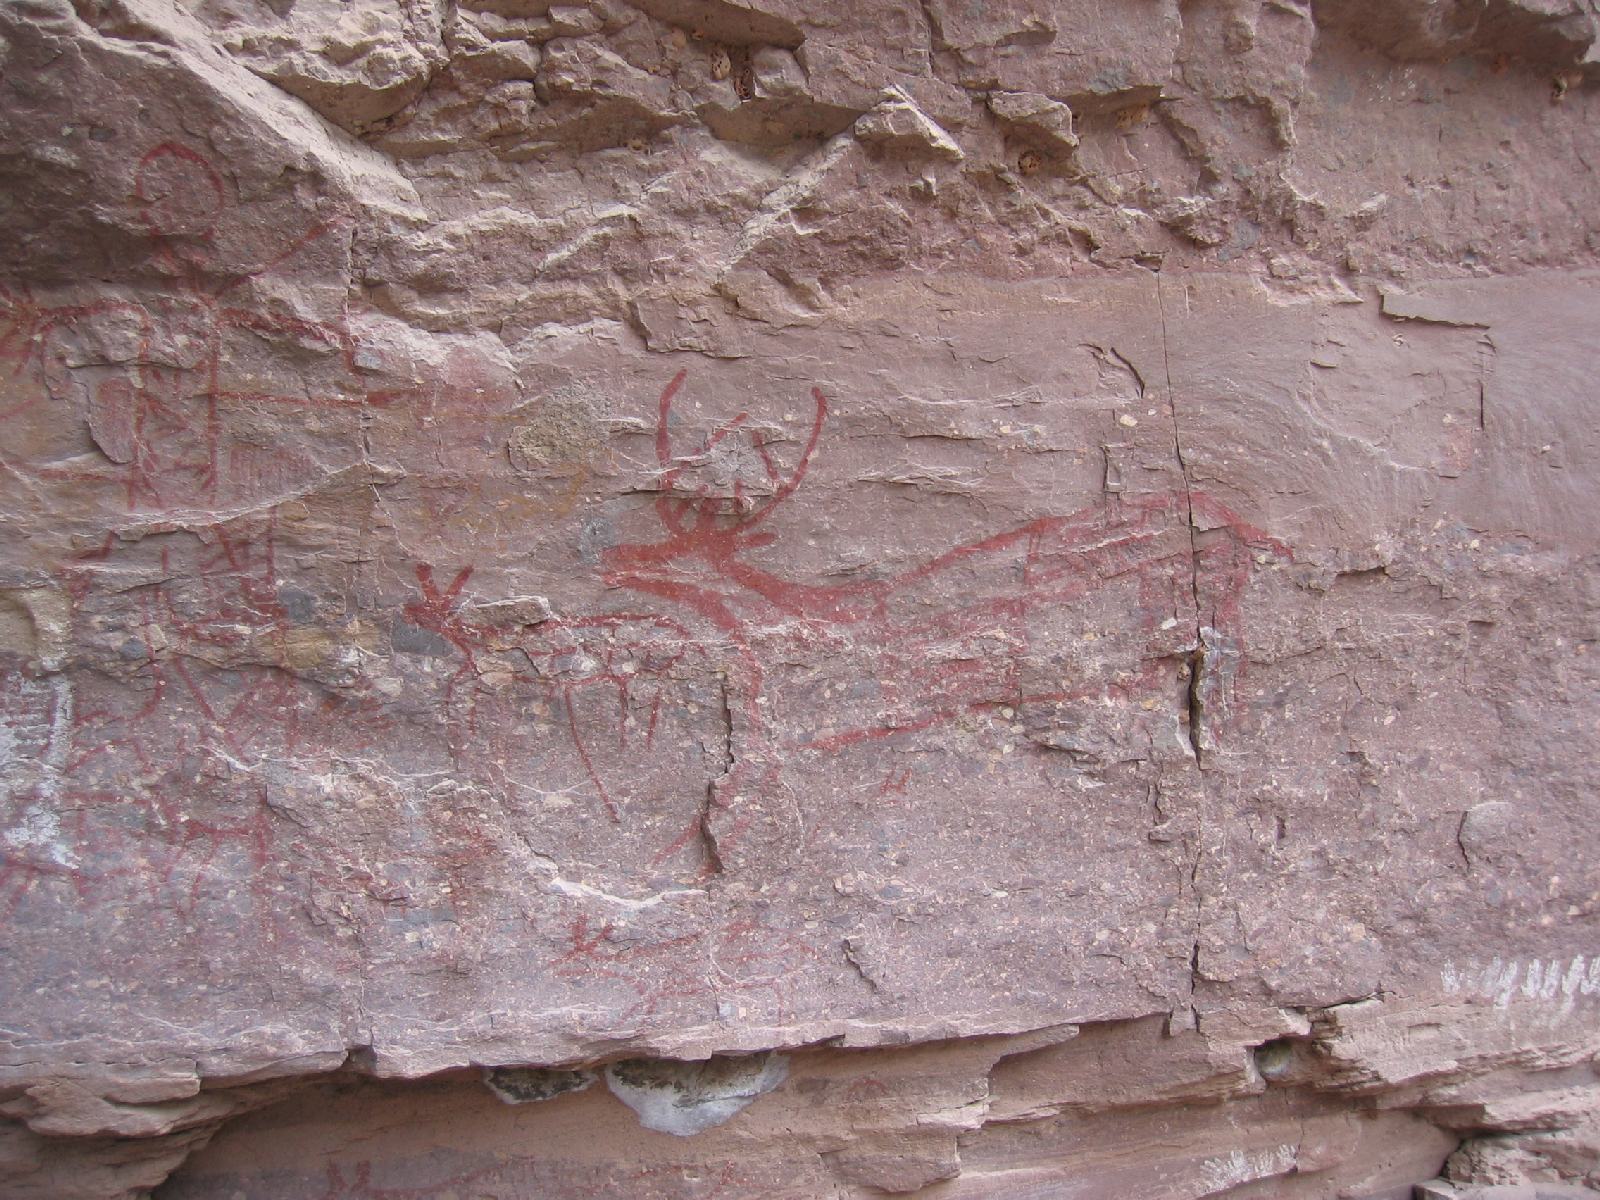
[{"x": 684, "y": 1098}]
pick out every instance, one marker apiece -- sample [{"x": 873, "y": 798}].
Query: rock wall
[{"x": 733, "y": 598}]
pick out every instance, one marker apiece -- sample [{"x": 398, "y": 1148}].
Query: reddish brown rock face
[{"x": 719, "y": 599}]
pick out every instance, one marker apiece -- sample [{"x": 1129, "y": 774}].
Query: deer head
[{"x": 697, "y": 519}]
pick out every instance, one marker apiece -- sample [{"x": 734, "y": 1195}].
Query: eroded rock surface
[{"x": 1031, "y": 563}]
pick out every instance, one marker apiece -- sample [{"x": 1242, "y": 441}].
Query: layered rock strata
[{"x": 737, "y": 598}]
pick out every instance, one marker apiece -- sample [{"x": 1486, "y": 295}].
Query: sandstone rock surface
[{"x": 965, "y": 600}]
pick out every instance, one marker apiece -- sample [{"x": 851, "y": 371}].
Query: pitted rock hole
[{"x": 684, "y": 1098}]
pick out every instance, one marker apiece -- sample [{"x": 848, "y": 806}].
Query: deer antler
[
  {"x": 672, "y": 510},
  {"x": 665, "y": 509},
  {"x": 438, "y": 601},
  {"x": 788, "y": 487}
]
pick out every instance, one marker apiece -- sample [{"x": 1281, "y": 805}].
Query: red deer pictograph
[{"x": 941, "y": 639}]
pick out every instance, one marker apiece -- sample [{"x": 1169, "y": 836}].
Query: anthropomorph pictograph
[
  {"x": 146, "y": 368},
  {"x": 142, "y": 367}
]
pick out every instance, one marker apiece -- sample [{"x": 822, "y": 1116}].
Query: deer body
[{"x": 947, "y": 635}]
